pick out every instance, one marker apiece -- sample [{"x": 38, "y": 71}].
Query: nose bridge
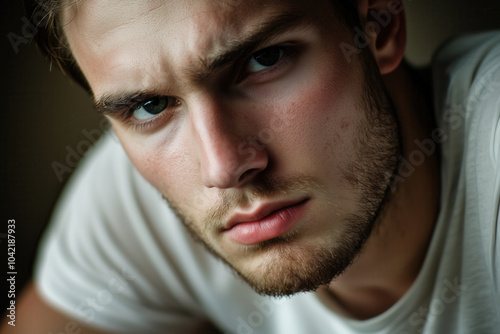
[{"x": 225, "y": 158}]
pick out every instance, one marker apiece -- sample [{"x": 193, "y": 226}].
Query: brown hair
[
  {"x": 50, "y": 36},
  {"x": 52, "y": 41}
]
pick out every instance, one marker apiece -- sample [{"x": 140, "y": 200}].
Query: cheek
[
  {"x": 167, "y": 167},
  {"x": 323, "y": 118}
]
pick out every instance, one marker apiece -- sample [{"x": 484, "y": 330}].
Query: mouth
[{"x": 268, "y": 221}]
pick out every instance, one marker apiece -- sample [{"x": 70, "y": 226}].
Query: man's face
[{"x": 274, "y": 151}]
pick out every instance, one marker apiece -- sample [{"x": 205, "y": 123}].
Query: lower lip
[{"x": 269, "y": 227}]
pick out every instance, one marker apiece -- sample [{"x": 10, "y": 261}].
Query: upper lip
[{"x": 260, "y": 212}]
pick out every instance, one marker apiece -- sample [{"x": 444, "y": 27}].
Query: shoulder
[
  {"x": 467, "y": 91},
  {"x": 466, "y": 76},
  {"x": 466, "y": 70}
]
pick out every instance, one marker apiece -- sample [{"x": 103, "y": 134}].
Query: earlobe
[{"x": 385, "y": 25}]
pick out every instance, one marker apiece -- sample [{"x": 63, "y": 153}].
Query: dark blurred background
[
  {"x": 42, "y": 115},
  {"x": 45, "y": 118}
]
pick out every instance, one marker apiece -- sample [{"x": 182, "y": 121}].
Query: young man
[{"x": 286, "y": 140}]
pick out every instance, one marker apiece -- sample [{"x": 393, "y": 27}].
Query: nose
[{"x": 229, "y": 156}]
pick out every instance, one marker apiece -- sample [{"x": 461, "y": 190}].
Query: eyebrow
[
  {"x": 273, "y": 27},
  {"x": 112, "y": 104}
]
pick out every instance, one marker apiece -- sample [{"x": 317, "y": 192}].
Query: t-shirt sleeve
[
  {"x": 485, "y": 99},
  {"x": 470, "y": 107},
  {"x": 482, "y": 126},
  {"x": 105, "y": 261}
]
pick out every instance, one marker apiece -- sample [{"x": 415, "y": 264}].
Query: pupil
[
  {"x": 269, "y": 56},
  {"x": 156, "y": 105}
]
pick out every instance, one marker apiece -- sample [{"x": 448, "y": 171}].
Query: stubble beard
[{"x": 287, "y": 267}]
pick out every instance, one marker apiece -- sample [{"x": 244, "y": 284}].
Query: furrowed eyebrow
[
  {"x": 113, "y": 103},
  {"x": 237, "y": 49}
]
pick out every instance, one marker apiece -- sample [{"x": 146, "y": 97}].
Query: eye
[
  {"x": 153, "y": 107},
  {"x": 265, "y": 58}
]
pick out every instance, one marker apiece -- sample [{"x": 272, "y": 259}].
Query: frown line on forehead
[{"x": 234, "y": 50}]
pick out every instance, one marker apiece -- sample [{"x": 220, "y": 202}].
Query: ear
[{"x": 385, "y": 23}]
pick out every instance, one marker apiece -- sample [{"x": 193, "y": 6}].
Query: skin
[
  {"x": 314, "y": 105},
  {"x": 199, "y": 148}
]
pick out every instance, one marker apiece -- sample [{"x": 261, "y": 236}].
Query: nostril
[{"x": 248, "y": 174}]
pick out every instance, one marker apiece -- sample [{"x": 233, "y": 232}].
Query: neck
[{"x": 393, "y": 255}]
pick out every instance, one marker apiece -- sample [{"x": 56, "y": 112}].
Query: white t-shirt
[{"x": 116, "y": 257}]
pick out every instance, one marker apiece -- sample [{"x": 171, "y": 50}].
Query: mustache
[{"x": 262, "y": 189}]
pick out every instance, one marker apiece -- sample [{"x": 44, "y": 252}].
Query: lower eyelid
[
  {"x": 289, "y": 52},
  {"x": 152, "y": 122},
  {"x": 142, "y": 124},
  {"x": 287, "y": 57},
  {"x": 129, "y": 112}
]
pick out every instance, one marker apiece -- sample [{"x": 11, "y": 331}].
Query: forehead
[{"x": 132, "y": 41}]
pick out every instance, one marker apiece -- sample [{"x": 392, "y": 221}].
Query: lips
[
  {"x": 261, "y": 212},
  {"x": 266, "y": 222}
]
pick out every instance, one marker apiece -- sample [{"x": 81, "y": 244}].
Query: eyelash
[
  {"x": 141, "y": 126},
  {"x": 127, "y": 116},
  {"x": 288, "y": 52}
]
